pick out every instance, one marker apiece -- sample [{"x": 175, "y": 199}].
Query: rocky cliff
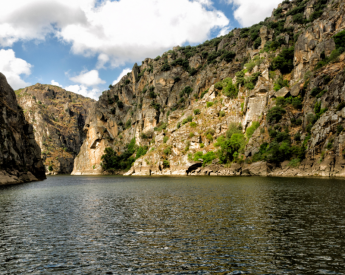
[
  {"x": 58, "y": 118},
  {"x": 266, "y": 100},
  {"x": 20, "y": 156}
]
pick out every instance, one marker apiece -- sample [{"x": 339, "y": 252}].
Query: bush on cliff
[
  {"x": 250, "y": 130},
  {"x": 275, "y": 114},
  {"x": 230, "y": 147},
  {"x": 339, "y": 39},
  {"x": 112, "y": 161},
  {"x": 280, "y": 83},
  {"x": 230, "y": 90},
  {"x": 284, "y": 61}
]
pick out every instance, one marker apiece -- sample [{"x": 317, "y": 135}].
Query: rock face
[
  {"x": 157, "y": 101},
  {"x": 58, "y": 118},
  {"x": 20, "y": 156}
]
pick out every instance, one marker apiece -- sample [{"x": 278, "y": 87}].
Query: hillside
[
  {"x": 264, "y": 100},
  {"x": 58, "y": 118},
  {"x": 20, "y": 156}
]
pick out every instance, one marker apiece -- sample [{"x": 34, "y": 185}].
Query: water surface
[{"x": 201, "y": 225}]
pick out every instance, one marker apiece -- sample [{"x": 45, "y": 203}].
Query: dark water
[{"x": 116, "y": 225}]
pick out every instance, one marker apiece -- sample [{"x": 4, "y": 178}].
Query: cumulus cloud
[
  {"x": 117, "y": 31},
  {"x": 86, "y": 78},
  {"x": 249, "y": 12},
  {"x": 122, "y": 74},
  {"x": 79, "y": 89},
  {"x": 53, "y": 82},
  {"x": 84, "y": 91},
  {"x": 13, "y": 68}
]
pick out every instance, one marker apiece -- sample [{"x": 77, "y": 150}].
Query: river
[{"x": 173, "y": 225}]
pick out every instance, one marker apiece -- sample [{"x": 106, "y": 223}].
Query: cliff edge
[
  {"x": 58, "y": 118},
  {"x": 266, "y": 100},
  {"x": 20, "y": 155}
]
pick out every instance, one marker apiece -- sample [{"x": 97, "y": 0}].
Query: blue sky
[{"x": 85, "y": 45}]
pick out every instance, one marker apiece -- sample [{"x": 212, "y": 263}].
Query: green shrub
[
  {"x": 210, "y": 131},
  {"x": 326, "y": 60},
  {"x": 278, "y": 12},
  {"x": 144, "y": 136},
  {"x": 297, "y": 136},
  {"x": 120, "y": 104},
  {"x": 284, "y": 61},
  {"x": 50, "y": 167},
  {"x": 250, "y": 66},
  {"x": 157, "y": 58},
  {"x": 197, "y": 112},
  {"x": 184, "y": 63},
  {"x": 296, "y": 122},
  {"x": 209, "y": 137},
  {"x": 177, "y": 79},
  {"x": 340, "y": 106},
  {"x": 187, "y": 90},
  {"x": 297, "y": 103},
  {"x": 165, "y": 139},
  {"x": 165, "y": 67},
  {"x": 275, "y": 114},
  {"x": 166, "y": 164},
  {"x": 209, "y": 104},
  {"x": 155, "y": 105},
  {"x": 298, "y": 18},
  {"x": 230, "y": 90},
  {"x": 340, "y": 128},
  {"x": 257, "y": 43},
  {"x": 193, "y": 124},
  {"x": 128, "y": 123},
  {"x": 280, "y": 83},
  {"x": 191, "y": 135},
  {"x": 111, "y": 160},
  {"x": 319, "y": 6},
  {"x": 178, "y": 125},
  {"x": 228, "y": 56},
  {"x": 141, "y": 151},
  {"x": 251, "y": 81},
  {"x": 250, "y": 130},
  {"x": 218, "y": 86},
  {"x": 230, "y": 147},
  {"x": 203, "y": 93},
  {"x": 339, "y": 39},
  {"x": 221, "y": 114},
  {"x": 167, "y": 151},
  {"x": 295, "y": 162},
  {"x": 329, "y": 145},
  {"x": 202, "y": 145}
]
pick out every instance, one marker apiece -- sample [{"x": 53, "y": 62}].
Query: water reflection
[{"x": 95, "y": 225}]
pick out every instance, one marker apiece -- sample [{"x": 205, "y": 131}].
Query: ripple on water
[{"x": 117, "y": 225}]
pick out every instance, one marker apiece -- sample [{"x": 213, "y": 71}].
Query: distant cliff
[
  {"x": 265, "y": 100},
  {"x": 20, "y": 156},
  {"x": 58, "y": 118}
]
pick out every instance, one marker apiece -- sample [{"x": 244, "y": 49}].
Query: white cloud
[
  {"x": 123, "y": 30},
  {"x": 122, "y": 74},
  {"x": 102, "y": 60},
  {"x": 80, "y": 89},
  {"x": 224, "y": 31},
  {"x": 13, "y": 67},
  {"x": 90, "y": 78},
  {"x": 249, "y": 12},
  {"x": 83, "y": 90},
  {"x": 53, "y": 82}
]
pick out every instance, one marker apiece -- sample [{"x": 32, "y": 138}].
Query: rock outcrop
[
  {"x": 58, "y": 118},
  {"x": 20, "y": 156},
  {"x": 177, "y": 106}
]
